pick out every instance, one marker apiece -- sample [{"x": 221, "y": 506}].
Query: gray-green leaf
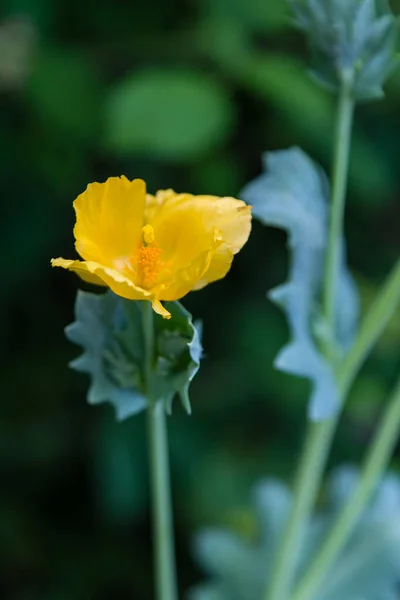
[
  {"x": 367, "y": 569},
  {"x": 109, "y": 328},
  {"x": 99, "y": 320},
  {"x": 350, "y": 39},
  {"x": 293, "y": 195}
]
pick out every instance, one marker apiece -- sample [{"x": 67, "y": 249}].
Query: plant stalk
[
  {"x": 319, "y": 435},
  {"x": 334, "y": 250},
  {"x": 379, "y": 314},
  {"x": 306, "y": 484},
  {"x": 376, "y": 461},
  {"x": 164, "y": 559}
]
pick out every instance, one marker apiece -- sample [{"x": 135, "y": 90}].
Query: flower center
[{"x": 146, "y": 262}]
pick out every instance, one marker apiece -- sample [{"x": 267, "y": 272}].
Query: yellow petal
[
  {"x": 185, "y": 225},
  {"x": 109, "y": 219},
  {"x": 83, "y": 273},
  {"x": 185, "y": 279},
  {"x": 96, "y": 273},
  {"x": 154, "y": 203},
  {"x": 220, "y": 264},
  {"x": 230, "y": 216},
  {"x": 160, "y": 309},
  {"x": 182, "y": 234},
  {"x": 158, "y": 247}
]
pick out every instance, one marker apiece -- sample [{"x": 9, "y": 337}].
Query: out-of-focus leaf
[
  {"x": 367, "y": 568},
  {"x": 293, "y": 195},
  {"x": 17, "y": 45},
  {"x": 255, "y": 15},
  {"x": 109, "y": 329},
  {"x": 173, "y": 115},
  {"x": 63, "y": 91}
]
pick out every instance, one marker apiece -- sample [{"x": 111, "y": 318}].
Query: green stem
[
  {"x": 376, "y": 461},
  {"x": 319, "y": 435},
  {"x": 381, "y": 311},
  {"x": 162, "y": 511},
  {"x": 339, "y": 186},
  {"x": 148, "y": 337},
  {"x": 306, "y": 484},
  {"x": 159, "y": 474}
]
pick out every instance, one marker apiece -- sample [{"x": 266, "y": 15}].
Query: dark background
[{"x": 185, "y": 94}]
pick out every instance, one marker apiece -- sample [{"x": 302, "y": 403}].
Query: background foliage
[{"x": 186, "y": 94}]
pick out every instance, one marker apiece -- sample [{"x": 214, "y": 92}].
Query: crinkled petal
[
  {"x": 193, "y": 240},
  {"x": 186, "y": 226},
  {"x": 230, "y": 216},
  {"x": 183, "y": 237},
  {"x": 220, "y": 264},
  {"x": 109, "y": 219},
  {"x": 83, "y": 273},
  {"x": 101, "y": 275},
  {"x": 184, "y": 280}
]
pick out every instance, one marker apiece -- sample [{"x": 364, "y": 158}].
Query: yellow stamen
[
  {"x": 149, "y": 264},
  {"x": 148, "y": 234}
]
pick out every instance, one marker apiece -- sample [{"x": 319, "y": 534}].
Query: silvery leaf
[{"x": 293, "y": 195}]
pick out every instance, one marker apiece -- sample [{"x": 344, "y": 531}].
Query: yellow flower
[{"x": 158, "y": 247}]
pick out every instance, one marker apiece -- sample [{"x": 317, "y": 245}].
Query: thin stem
[
  {"x": 148, "y": 337},
  {"x": 376, "y": 461},
  {"x": 162, "y": 512},
  {"x": 319, "y": 435},
  {"x": 307, "y": 480},
  {"x": 339, "y": 186},
  {"x": 159, "y": 473},
  {"x": 378, "y": 316}
]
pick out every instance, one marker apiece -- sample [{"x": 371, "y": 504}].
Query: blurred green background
[{"x": 185, "y": 94}]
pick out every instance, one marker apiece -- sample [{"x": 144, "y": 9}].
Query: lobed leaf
[
  {"x": 109, "y": 328},
  {"x": 367, "y": 569},
  {"x": 293, "y": 194}
]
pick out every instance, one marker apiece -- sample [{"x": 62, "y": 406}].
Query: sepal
[{"x": 109, "y": 329}]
